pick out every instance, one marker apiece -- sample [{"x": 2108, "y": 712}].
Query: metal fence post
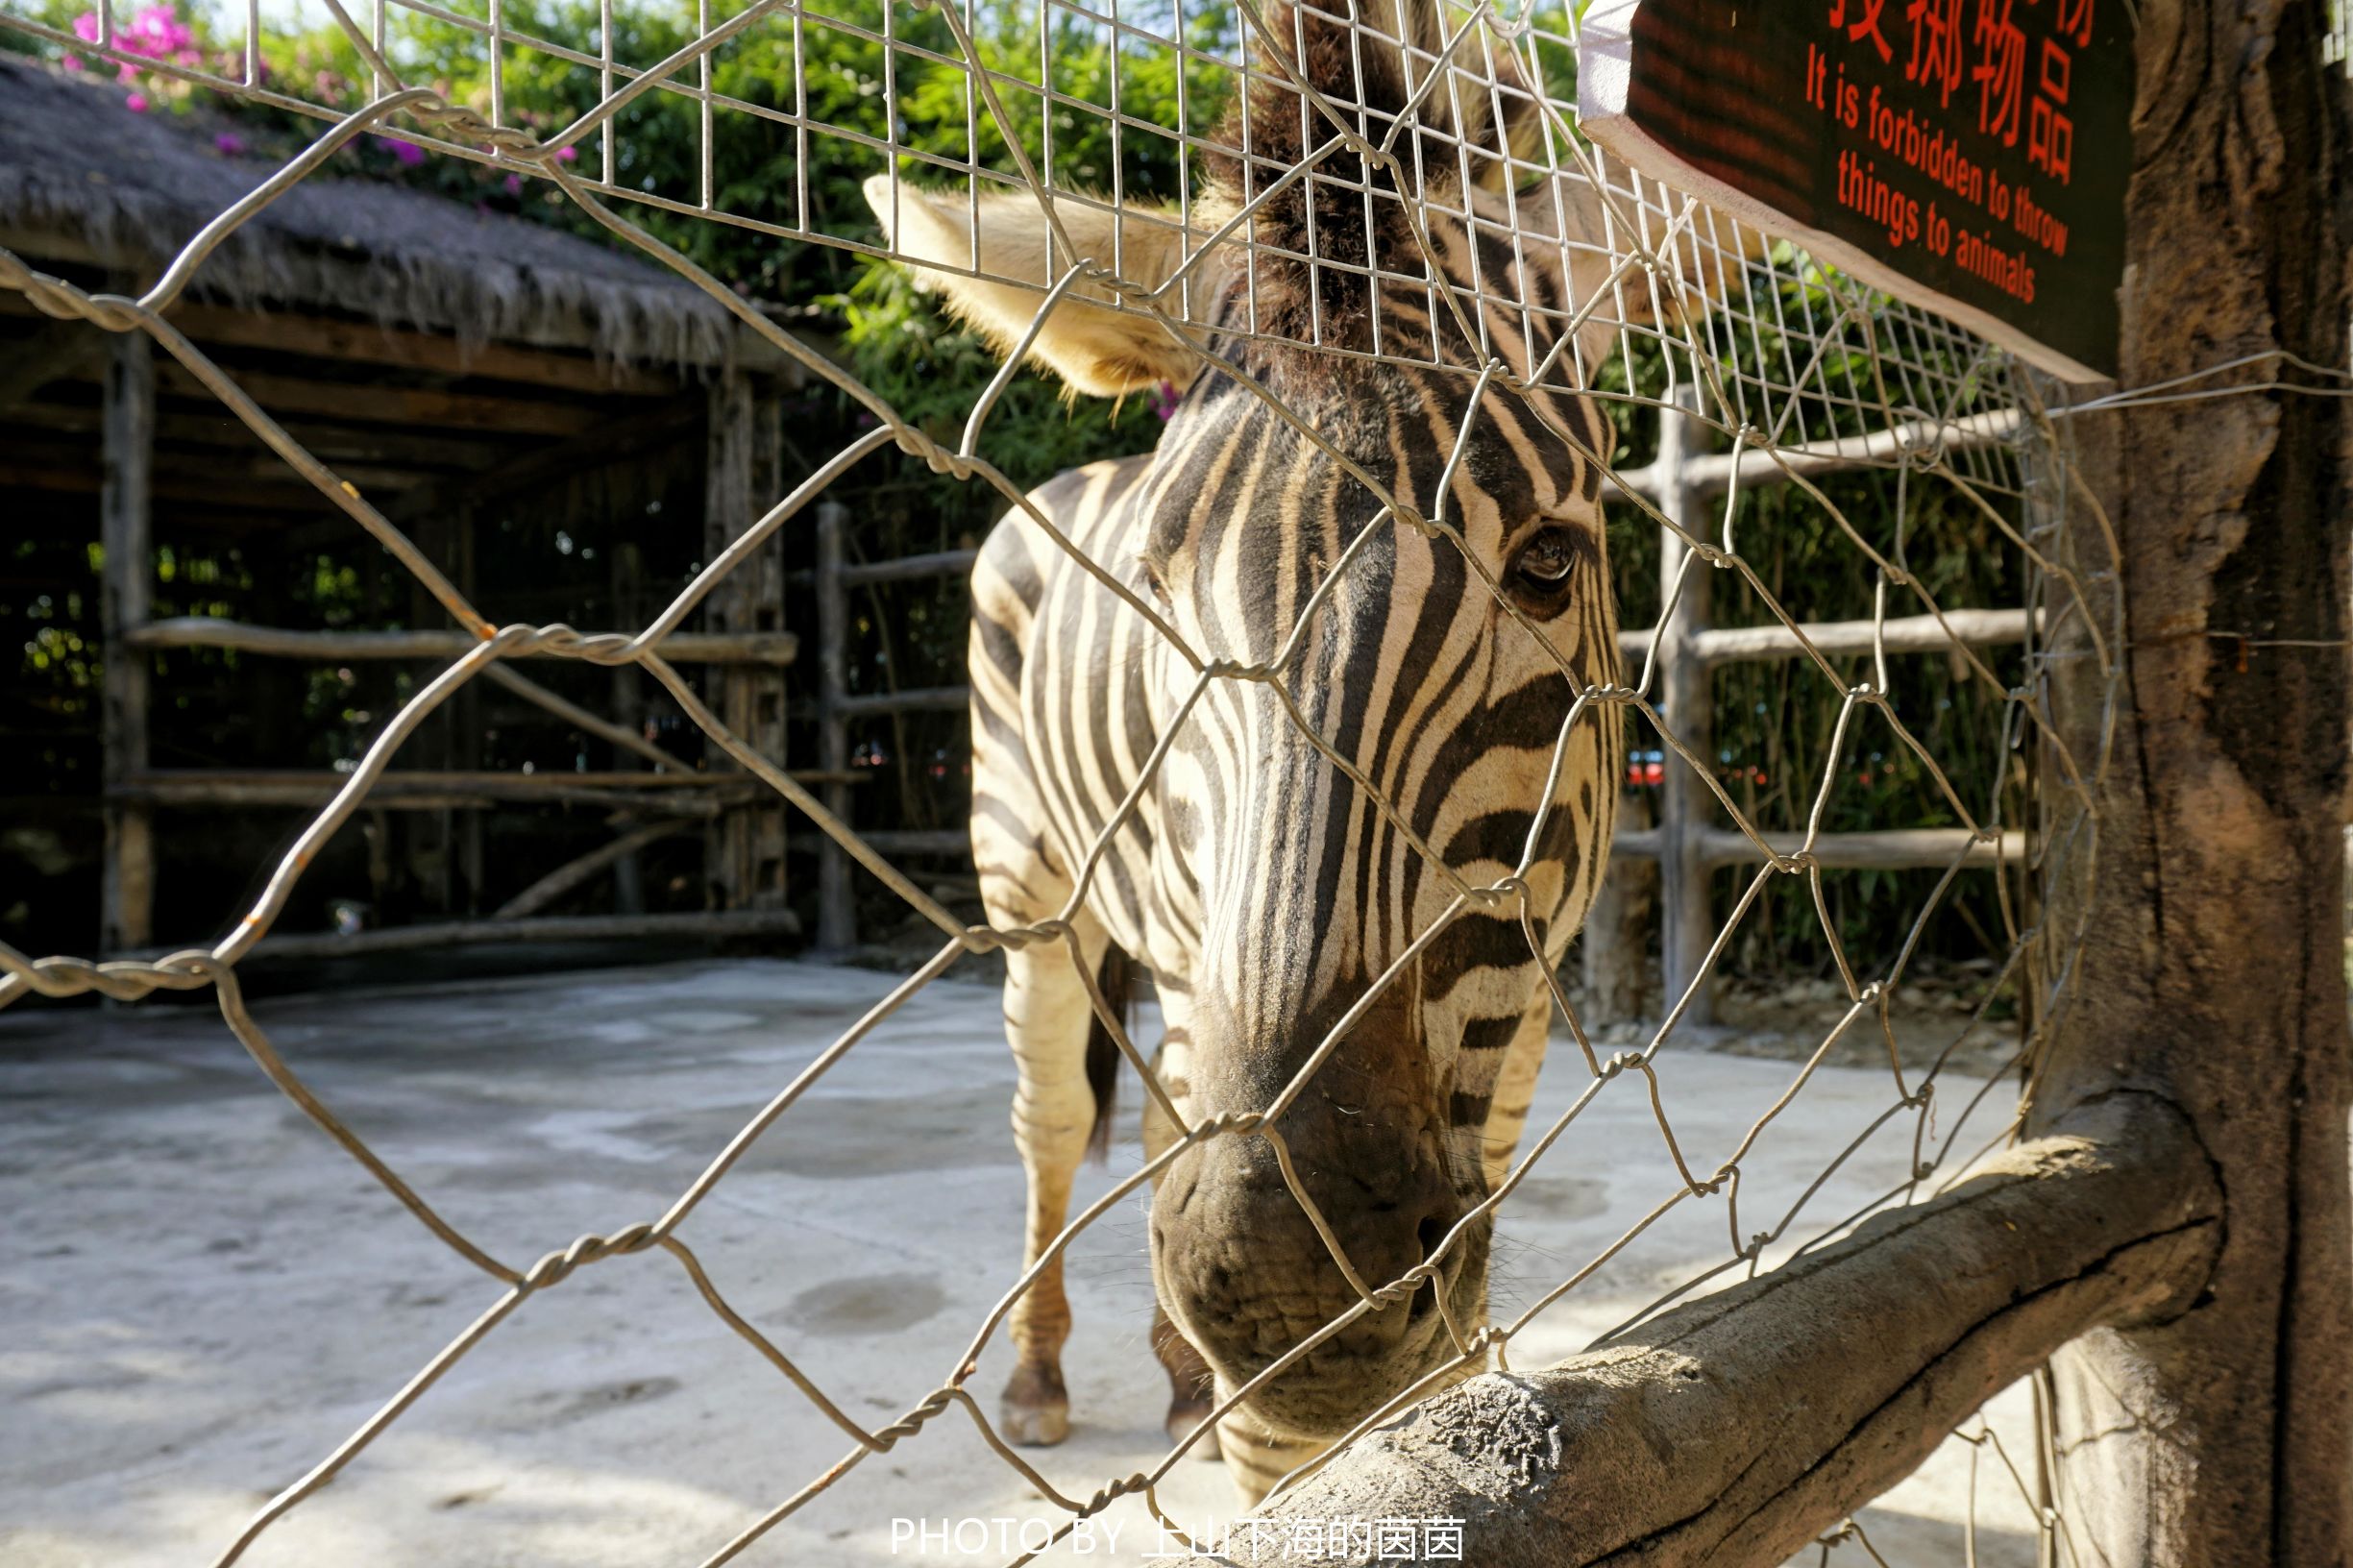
[
  {"x": 837, "y": 915},
  {"x": 1685, "y": 931}
]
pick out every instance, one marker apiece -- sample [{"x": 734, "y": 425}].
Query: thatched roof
[{"x": 131, "y": 189}]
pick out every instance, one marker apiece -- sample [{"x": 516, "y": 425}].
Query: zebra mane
[{"x": 1311, "y": 239}]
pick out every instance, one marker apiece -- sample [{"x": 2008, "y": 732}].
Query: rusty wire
[{"x": 2048, "y": 517}]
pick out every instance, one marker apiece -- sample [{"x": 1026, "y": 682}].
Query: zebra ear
[{"x": 1100, "y": 351}]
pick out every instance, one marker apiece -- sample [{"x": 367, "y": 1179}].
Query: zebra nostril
[{"x": 1429, "y": 1234}]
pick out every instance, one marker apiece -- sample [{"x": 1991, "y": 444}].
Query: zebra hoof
[
  {"x": 1185, "y": 1417},
  {"x": 1034, "y": 1412}
]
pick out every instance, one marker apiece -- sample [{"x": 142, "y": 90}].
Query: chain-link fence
[{"x": 1660, "y": 308}]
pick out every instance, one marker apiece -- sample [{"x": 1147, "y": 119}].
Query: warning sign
[{"x": 1966, "y": 155}]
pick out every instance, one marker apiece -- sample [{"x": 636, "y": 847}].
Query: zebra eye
[
  {"x": 1157, "y": 584},
  {"x": 1545, "y": 564}
]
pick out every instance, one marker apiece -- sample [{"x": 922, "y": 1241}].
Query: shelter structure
[{"x": 523, "y": 401}]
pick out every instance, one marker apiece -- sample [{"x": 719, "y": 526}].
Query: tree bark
[{"x": 2212, "y": 972}]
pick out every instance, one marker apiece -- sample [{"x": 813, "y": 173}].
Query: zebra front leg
[
  {"x": 1048, "y": 1016},
  {"x": 1190, "y": 1381}
]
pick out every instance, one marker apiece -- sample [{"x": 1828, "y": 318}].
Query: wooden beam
[
  {"x": 357, "y": 342},
  {"x": 613, "y": 441},
  {"x": 171, "y": 484},
  {"x": 329, "y": 442},
  {"x": 917, "y": 700},
  {"x": 369, "y": 403}
]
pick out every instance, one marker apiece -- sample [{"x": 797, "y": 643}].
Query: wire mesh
[{"x": 1787, "y": 363}]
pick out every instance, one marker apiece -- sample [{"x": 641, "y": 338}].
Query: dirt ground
[{"x": 206, "y": 1295}]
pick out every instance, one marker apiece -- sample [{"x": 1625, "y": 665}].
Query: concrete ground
[{"x": 205, "y": 1296}]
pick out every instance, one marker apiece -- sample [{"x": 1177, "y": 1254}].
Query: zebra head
[{"x": 1434, "y": 532}]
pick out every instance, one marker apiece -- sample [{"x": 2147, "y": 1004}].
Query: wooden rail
[{"x": 769, "y": 647}]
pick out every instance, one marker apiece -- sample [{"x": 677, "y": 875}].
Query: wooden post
[
  {"x": 628, "y": 573},
  {"x": 1613, "y": 945},
  {"x": 1686, "y": 805},
  {"x": 466, "y": 733},
  {"x": 127, "y": 909},
  {"x": 837, "y": 915},
  {"x": 745, "y": 855}
]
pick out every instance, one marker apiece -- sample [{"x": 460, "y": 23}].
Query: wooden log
[
  {"x": 714, "y": 925},
  {"x": 770, "y": 648},
  {"x": 1734, "y": 1430},
  {"x": 1712, "y": 474},
  {"x": 570, "y": 712},
  {"x": 1904, "y": 634},
  {"x": 298, "y": 787},
  {"x": 126, "y": 896},
  {"x": 579, "y": 871},
  {"x": 900, "y": 841},
  {"x": 1890, "y": 849},
  {"x": 920, "y": 699},
  {"x": 945, "y": 563}
]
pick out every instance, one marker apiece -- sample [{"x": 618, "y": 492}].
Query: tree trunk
[{"x": 2212, "y": 973}]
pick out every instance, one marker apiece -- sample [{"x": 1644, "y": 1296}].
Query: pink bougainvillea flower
[
  {"x": 567, "y": 155},
  {"x": 514, "y": 185},
  {"x": 228, "y": 144},
  {"x": 155, "y": 32},
  {"x": 1165, "y": 400},
  {"x": 409, "y": 155},
  {"x": 136, "y": 103}
]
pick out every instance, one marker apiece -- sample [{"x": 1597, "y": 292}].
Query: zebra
[{"x": 1261, "y": 887}]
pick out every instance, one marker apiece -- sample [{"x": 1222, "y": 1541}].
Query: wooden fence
[
  {"x": 741, "y": 818},
  {"x": 1685, "y": 843}
]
